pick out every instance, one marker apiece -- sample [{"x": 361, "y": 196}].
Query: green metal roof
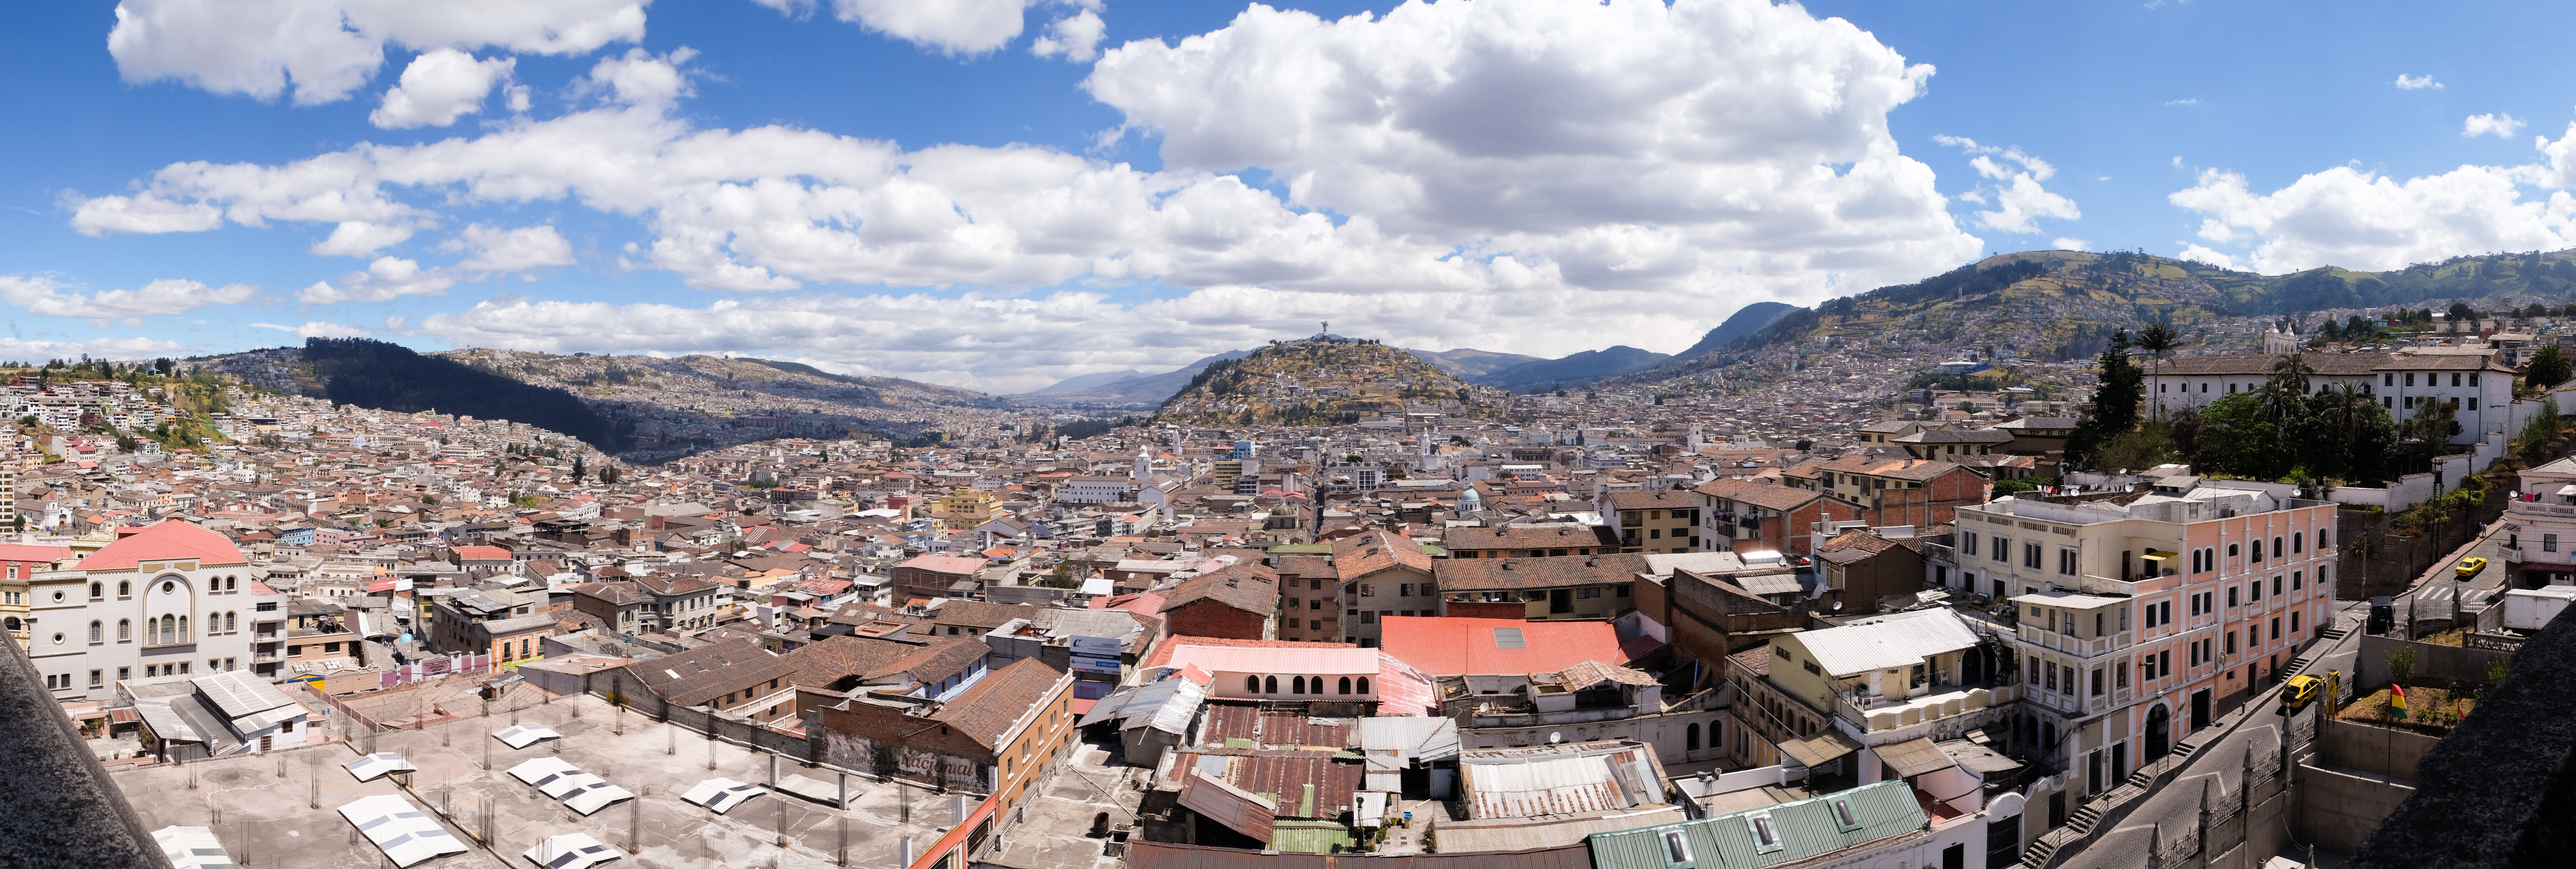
[
  {"x": 1806, "y": 829},
  {"x": 1311, "y": 838}
]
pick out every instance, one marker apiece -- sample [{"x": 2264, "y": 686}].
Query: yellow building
[{"x": 964, "y": 508}]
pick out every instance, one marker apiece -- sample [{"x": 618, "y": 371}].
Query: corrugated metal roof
[
  {"x": 1805, "y": 829},
  {"x": 1914, "y": 757},
  {"x": 237, "y": 693},
  {"x": 1167, "y": 706},
  {"x": 1885, "y": 643},
  {"x": 1410, "y": 738},
  {"x": 1569, "y": 779},
  {"x": 1237, "y": 809}
]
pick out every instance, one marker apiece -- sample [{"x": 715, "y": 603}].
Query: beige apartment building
[{"x": 2137, "y": 624}]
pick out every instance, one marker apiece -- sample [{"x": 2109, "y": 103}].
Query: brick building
[
  {"x": 737, "y": 677},
  {"x": 1240, "y": 602},
  {"x": 1894, "y": 490},
  {"x": 1759, "y": 516},
  {"x": 932, "y": 576},
  {"x": 995, "y": 737}
]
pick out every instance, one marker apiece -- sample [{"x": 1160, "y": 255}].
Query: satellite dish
[
  {"x": 1838, "y": 606},
  {"x": 1555, "y": 737}
]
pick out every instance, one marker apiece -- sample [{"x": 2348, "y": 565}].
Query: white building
[
  {"x": 168, "y": 599},
  {"x": 2478, "y": 383}
]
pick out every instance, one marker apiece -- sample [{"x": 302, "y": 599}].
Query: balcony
[
  {"x": 1882, "y": 715},
  {"x": 2540, "y": 509}
]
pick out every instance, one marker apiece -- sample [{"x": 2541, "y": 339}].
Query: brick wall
[
  {"x": 1481, "y": 610},
  {"x": 1208, "y": 618}
]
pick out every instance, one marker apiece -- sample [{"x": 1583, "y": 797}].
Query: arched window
[
  {"x": 1690, "y": 737},
  {"x": 95, "y": 588},
  {"x": 182, "y": 635},
  {"x": 2321, "y": 538},
  {"x": 124, "y": 630},
  {"x": 10, "y": 624},
  {"x": 2297, "y": 541},
  {"x": 1297, "y": 685},
  {"x": 1252, "y": 684},
  {"x": 229, "y": 620},
  {"x": 97, "y": 631},
  {"x": 2231, "y": 550},
  {"x": 1346, "y": 685},
  {"x": 232, "y": 583},
  {"x": 1364, "y": 685},
  {"x": 1269, "y": 684},
  {"x": 124, "y": 588}
]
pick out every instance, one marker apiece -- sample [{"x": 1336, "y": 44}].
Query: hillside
[
  {"x": 641, "y": 408},
  {"x": 383, "y": 376},
  {"x": 1745, "y": 321},
  {"x": 2065, "y": 305},
  {"x": 1325, "y": 381},
  {"x": 1470, "y": 363},
  {"x": 1128, "y": 394},
  {"x": 1580, "y": 369}
]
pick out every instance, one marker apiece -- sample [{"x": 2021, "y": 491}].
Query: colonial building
[
  {"x": 2475, "y": 382},
  {"x": 166, "y": 599}
]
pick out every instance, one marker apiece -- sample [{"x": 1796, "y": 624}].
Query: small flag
[{"x": 2397, "y": 700}]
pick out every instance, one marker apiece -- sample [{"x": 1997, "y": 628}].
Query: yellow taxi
[
  {"x": 2469, "y": 567},
  {"x": 2297, "y": 693}
]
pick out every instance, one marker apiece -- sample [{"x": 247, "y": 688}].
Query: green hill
[
  {"x": 383, "y": 376},
  {"x": 1325, "y": 381}
]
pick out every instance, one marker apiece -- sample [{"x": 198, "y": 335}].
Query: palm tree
[{"x": 2158, "y": 339}]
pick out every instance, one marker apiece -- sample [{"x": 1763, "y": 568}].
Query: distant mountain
[
  {"x": 1746, "y": 321},
  {"x": 1087, "y": 381},
  {"x": 1471, "y": 363},
  {"x": 1141, "y": 392},
  {"x": 383, "y": 376},
  {"x": 1576, "y": 370},
  {"x": 1324, "y": 381}
]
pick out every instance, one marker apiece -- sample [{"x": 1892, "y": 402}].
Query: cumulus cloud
[
  {"x": 359, "y": 238},
  {"x": 966, "y": 27},
  {"x": 328, "y": 49},
  {"x": 2502, "y": 126},
  {"x": 386, "y": 279},
  {"x": 511, "y": 250},
  {"x": 319, "y": 329},
  {"x": 1659, "y": 158},
  {"x": 46, "y": 297},
  {"x": 2361, "y": 220},
  {"x": 2196, "y": 253},
  {"x": 1074, "y": 37},
  {"x": 440, "y": 86},
  {"x": 2072, "y": 244},
  {"x": 2019, "y": 198},
  {"x": 2417, "y": 83}
]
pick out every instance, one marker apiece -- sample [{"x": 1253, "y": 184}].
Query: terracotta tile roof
[
  {"x": 1892, "y": 467},
  {"x": 822, "y": 665},
  {"x": 1248, "y": 587},
  {"x": 942, "y": 658},
  {"x": 986, "y": 711},
  {"x": 1554, "y": 536},
  {"x": 696, "y": 676},
  {"x": 615, "y": 593},
  {"x": 1363, "y": 554},
  {"x": 1756, "y": 660},
  {"x": 1768, "y": 496},
  {"x": 983, "y": 614},
  {"x": 1860, "y": 540},
  {"x": 1480, "y": 574},
  {"x": 1657, "y": 499}
]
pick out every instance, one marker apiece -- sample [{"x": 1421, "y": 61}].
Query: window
[
  {"x": 231, "y": 621},
  {"x": 2276, "y": 586},
  {"x": 124, "y": 673},
  {"x": 1690, "y": 737},
  {"x": 2410, "y": 379},
  {"x": 1404, "y": 590},
  {"x": 2276, "y": 629},
  {"x": 1676, "y": 847},
  {"x": 1314, "y": 624},
  {"x": 124, "y": 588},
  {"x": 2120, "y": 675},
  {"x": 1589, "y": 591},
  {"x": 1625, "y": 589},
  {"x": 95, "y": 678},
  {"x": 97, "y": 631},
  {"x": 1364, "y": 685},
  {"x": 1368, "y": 617},
  {"x": 124, "y": 632},
  {"x": 2231, "y": 642},
  {"x": 1315, "y": 603},
  {"x": 1844, "y": 817},
  {"x": 2066, "y": 562},
  {"x": 2276, "y": 547},
  {"x": 2231, "y": 596},
  {"x": 2549, "y": 543},
  {"x": 2231, "y": 550},
  {"x": 2002, "y": 549},
  {"x": 1968, "y": 543},
  {"x": 94, "y": 589},
  {"x": 1344, "y": 685},
  {"x": 2294, "y": 578},
  {"x": 2296, "y": 540},
  {"x": 2294, "y": 624},
  {"x": 1765, "y": 838},
  {"x": 1252, "y": 684},
  {"x": 2030, "y": 555},
  {"x": 1269, "y": 684},
  {"x": 168, "y": 586}
]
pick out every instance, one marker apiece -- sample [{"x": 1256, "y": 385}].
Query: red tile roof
[
  {"x": 1458, "y": 646},
  {"x": 170, "y": 539},
  {"x": 482, "y": 553}
]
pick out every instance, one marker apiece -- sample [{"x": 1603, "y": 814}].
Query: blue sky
[{"x": 1000, "y": 193}]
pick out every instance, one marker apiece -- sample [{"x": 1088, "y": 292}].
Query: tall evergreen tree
[{"x": 2115, "y": 406}]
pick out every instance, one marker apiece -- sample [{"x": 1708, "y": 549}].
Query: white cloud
[
  {"x": 330, "y": 48},
  {"x": 2417, "y": 83},
  {"x": 2503, "y": 126},
  {"x": 144, "y": 214},
  {"x": 386, "y": 279},
  {"x": 2072, "y": 244},
  {"x": 2187, "y": 101},
  {"x": 2020, "y": 200},
  {"x": 2202, "y": 254},
  {"x": 967, "y": 27},
  {"x": 1074, "y": 37},
  {"x": 320, "y": 329},
  {"x": 511, "y": 250},
  {"x": 359, "y": 238},
  {"x": 440, "y": 86},
  {"x": 2360, "y": 220},
  {"x": 46, "y": 297},
  {"x": 1659, "y": 158}
]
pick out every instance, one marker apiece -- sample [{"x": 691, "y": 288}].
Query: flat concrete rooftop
[{"x": 265, "y": 818}]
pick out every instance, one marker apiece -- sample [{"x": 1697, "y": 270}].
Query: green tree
[
  {"x": 2548, "y": 368},
  {"x": 2115, "y": 407},
  {"x": 2239, "y": 437},
  {"x": 2533, "y": 443},
  {"x": 576, "y": 468},
  {"x": 2435, "y": 423},
  {"x": 2158, "y": 339}
]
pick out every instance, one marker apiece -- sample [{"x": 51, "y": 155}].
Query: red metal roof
[
  {"x": 171, "y": 539},
  {"x": 22, "y": 552},
  {"x": 1458, "y": 646}
]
